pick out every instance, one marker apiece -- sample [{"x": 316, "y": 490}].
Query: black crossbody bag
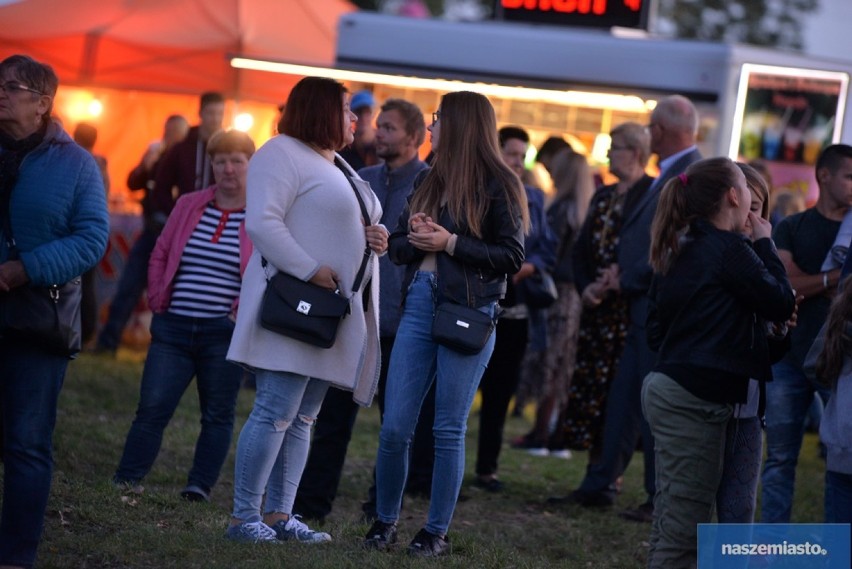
[
  {"x": 304, "y": 311},
  {"x": 461, "y": 328},
  {"x": 48, "y": 316}
]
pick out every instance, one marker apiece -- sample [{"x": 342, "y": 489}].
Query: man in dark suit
[{"x": 673, "y": 129}]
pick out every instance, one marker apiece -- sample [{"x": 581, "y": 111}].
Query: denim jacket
[{"x": 392, "y": 187}]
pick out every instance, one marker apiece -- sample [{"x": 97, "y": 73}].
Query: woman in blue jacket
[
  {"x": 710, "y": 284},
  {"x": 54, "y": 227}
]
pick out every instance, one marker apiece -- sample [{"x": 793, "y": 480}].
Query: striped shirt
[{"x": 208, "y": 278}]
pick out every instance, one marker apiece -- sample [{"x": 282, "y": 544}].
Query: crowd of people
[{"x": 661, "y": 312}]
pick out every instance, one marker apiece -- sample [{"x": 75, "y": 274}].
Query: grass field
[{"x": 90, "y": 523}]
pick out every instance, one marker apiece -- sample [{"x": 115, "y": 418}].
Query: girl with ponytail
[{"x": 711, "y": 283}]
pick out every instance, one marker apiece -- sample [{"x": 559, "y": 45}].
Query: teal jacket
[{"x": 58, "y": 211}]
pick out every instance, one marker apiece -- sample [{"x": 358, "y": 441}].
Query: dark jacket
[
  {"x": 583, "y": 254},
  {"x": 475, "y": 274},
  {"x": 564, "y": 234},
  {"x": 704, "y": 311},
  {"x": 392, "y": 187},
  {"x": 635, "y": 241},
  {"x": 539, "y": 244},
  {"x": 178, "y": 168}
]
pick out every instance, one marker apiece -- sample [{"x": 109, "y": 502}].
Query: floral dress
[{"x": 603, "y": 328}]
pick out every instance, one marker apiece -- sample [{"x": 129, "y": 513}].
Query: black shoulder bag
[
  {"x": 304, "y": 311},
  {"x": 461, "y": 328},
  {"x": 48, "y": 316}
]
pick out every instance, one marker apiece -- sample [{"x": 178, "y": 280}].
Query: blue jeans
[
  {"x": 134, "y": 280},
  {"x": 273, "y": 445},
  {"x": 838, "y": 497},
  {"x": 417, "y": 361},
  {"x": 788, "y": 399},
  {"x": 30, "y": 381},
  {"x": 183, "y": 347}
]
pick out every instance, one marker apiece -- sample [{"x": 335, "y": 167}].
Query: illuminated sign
[
  {"x": 785, "y": 116},
  {"x": 588, "y": 13}
]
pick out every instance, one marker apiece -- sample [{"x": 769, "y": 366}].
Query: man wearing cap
[{"x": 362, "y": 152}]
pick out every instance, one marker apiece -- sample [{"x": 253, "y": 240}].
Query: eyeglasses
[
  {"x": 436, "y": 116},
  {"x": 14, "y": 87}
]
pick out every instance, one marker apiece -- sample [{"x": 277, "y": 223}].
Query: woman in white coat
[{"x": 304, "y": 219}]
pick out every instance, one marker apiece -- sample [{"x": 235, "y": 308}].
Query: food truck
[
  {"x": 579, "y": 82},
  {"x": 754, "y": 102}
]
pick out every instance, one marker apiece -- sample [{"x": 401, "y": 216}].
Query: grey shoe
[
  {"x": 297, "y": 530},
  {"x": 251, "y": 532}
]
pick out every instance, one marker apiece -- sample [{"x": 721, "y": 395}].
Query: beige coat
[{"x": 301, "y": 213}]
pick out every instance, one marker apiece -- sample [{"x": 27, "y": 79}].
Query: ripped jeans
[{"x": 273, "y": 445}]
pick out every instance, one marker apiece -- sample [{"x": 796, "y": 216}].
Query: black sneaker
[
  {"x": 489, "y": 484},
  {"x": 426, "y": 544},
  {"x": 583, "y": 498},
  {"x": 382, "y": 536},
  {"x": 195, "y": 493}
]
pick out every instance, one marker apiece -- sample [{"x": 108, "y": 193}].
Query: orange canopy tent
[
  {"x": 172, "y": 45},
  {"x": 125, "y": 65}
]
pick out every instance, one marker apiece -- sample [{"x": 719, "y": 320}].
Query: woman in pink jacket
[{"x": 194, "y": 280}]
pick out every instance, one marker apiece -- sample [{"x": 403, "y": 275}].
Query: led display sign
[{"x": 587, "y": 13}]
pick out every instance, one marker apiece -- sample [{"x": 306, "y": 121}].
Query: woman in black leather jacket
[
  {"x": 710, "y": 285},
  {"x": 461, "y": 234}
]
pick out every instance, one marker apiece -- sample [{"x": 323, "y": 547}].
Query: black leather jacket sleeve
[
  {"x": 757, "y": 276},
  {"x": 400, "y": 250},
  {"x": 502, "y": 247},
  {"x": 476, "y": 272}
]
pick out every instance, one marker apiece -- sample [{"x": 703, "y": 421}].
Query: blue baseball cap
[{"x": 362, "y": 99}]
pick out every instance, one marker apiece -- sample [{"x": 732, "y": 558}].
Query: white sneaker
[
  {"x": 538, "y": 451},
  {"x": 296, "y": 529},
  {"x": 564, "y": 454},
  {"x": 251, "y": 532}
]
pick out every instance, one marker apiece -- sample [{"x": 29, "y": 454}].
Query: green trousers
[{"x": 689, "y": 449}]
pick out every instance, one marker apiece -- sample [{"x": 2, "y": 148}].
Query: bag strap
[
  {"x": 367, "y": 251},
  {"x": 6, "y": 207},
  {"x": 365, "y": 215}
]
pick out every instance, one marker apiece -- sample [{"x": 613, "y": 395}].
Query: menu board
[{"x": 785, "y": 117}]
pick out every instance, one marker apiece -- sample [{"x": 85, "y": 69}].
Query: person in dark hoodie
[{"x": 186, "y": 167}]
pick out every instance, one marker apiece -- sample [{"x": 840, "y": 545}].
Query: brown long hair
[
  {"x": 695, "y": 194},
  {"x": 468, "y": 157},
  {"x": 837, "y": 343}
]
